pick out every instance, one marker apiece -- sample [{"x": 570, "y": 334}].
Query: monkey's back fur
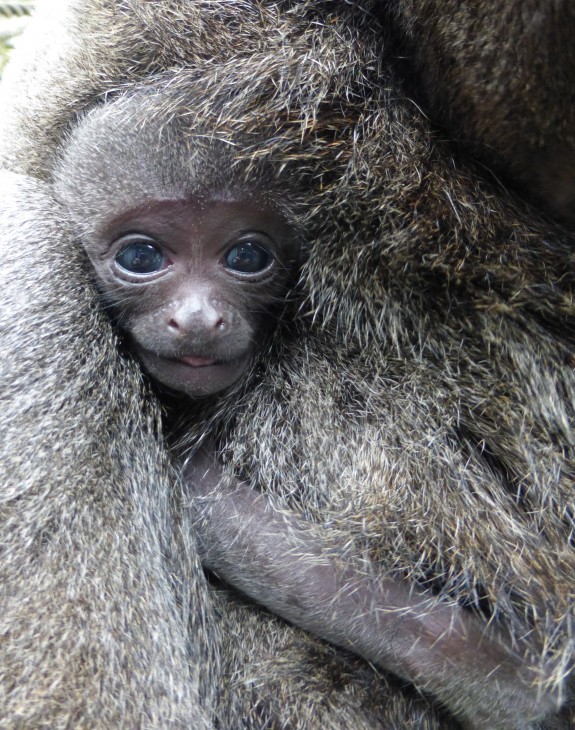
[
  {"x": 421, "y": 404},
  {"x": 507, "y": 96}
]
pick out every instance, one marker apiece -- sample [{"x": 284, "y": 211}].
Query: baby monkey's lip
[{"x": 198, "y": 362}]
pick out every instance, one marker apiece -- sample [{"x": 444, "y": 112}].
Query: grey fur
[
  {"x": 126, "y": 156},
  {"x": 437, "y": 347},
  {"x": 82, "y": 646}
]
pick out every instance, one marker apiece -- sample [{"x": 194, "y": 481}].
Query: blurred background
[{"x": 13, "y": 19}]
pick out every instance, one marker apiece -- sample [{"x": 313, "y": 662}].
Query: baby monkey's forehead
[
  {"x": 191, "y": 222},
  {"x": 119, "y": 170}
]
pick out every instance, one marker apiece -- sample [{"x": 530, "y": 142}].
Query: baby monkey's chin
[{"x": 194, "y": 376}]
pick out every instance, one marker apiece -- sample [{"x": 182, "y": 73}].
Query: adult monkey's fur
[
  {"x": 507, "y": 95},
  {"x": 436, "y": 294},
  {"x": 82, "y": 646}
]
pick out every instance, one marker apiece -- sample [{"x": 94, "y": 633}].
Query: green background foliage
[{"x": 13, "y": 17}]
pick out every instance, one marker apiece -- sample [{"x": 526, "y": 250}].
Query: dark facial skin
[{"x": 192, "y": 283}]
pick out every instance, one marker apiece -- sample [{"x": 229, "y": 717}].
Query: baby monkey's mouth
[
  {"x": 199, "y": 362},
  {"x": 196, "y": 374}
]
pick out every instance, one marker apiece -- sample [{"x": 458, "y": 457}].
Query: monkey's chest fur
[{"x": 382, "y": 451}]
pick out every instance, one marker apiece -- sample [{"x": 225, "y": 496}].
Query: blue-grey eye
[
  {"x": 141, "y": 257},
  {"x": 248, "y": 258}
]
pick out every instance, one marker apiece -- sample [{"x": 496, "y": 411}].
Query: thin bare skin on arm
[{"x": 288, "y": 565}]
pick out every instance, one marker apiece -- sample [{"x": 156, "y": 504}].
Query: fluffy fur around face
[
  {"x": 437, "y": 352},
  {"x": 423, "y": 398}
]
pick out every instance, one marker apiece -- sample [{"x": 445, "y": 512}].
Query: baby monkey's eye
[
  {"x": 140, "y": 256},
  {"x": 248, "y": 258}
]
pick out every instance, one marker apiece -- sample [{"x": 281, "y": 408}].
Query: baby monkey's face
[{"x": 193, "y": 283}]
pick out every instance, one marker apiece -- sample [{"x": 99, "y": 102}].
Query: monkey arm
[
  {"x": 92, "y": 635},
  {"x": 285, "y": 563}
]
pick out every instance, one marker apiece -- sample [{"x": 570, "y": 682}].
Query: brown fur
[
  {"x": 501, "y": 78},
  {"x": 436, "y": 347}
]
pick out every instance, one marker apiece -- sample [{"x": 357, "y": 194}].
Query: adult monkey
[
  {"x": 311, "y": 706},
  {"x": 100, "y": 507}
]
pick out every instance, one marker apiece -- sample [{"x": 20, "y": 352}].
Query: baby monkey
[{"x": 195, "y": 248}]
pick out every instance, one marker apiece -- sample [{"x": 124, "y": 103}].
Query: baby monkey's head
[{"x": 192, "y": 247}]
